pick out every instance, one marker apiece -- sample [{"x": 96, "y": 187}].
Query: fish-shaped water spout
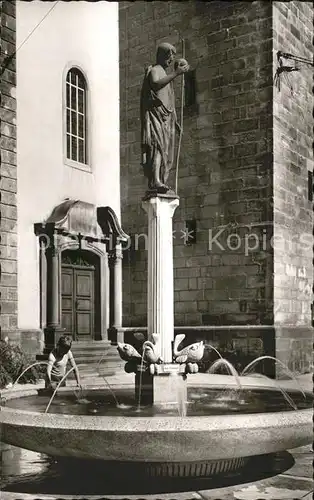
[
  {"x": 127, "y": 352},
  {"x": 151, "y": 350},
  {"x": 190, "y": 354}
]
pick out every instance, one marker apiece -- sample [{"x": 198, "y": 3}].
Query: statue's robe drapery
[{"x": 158, "y": 118}]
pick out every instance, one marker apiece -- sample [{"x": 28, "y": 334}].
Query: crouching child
[{"x": 57, "y": 363}]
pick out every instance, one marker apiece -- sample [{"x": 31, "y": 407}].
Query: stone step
[
  {"x": 95, "y": 358},
  {"x": 93, "y": 371},
  {"x": 90, "y": 373},
  {"x": 102, "y": 347},
  {"x": 95, "y": 365},
  {"x": 91, "y": 355},
  {"x": 94, "y": 343},
  {"x": 91, "y": 352},
  {"x": 90, "y": 342}
]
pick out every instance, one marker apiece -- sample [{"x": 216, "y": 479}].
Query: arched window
[{"x": 76, "y": 117}]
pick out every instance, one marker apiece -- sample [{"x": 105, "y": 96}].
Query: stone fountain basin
[{"x": 164, "y": 439}]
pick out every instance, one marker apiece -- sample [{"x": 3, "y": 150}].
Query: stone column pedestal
[{"x": 160, "y": 210}]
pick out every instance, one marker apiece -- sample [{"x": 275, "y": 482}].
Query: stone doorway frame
[
  {"x": 79, "y": 225},
  {"x": 99, "y": 314}
]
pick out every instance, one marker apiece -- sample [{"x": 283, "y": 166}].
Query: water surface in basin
[{"x": 202, "y": 401}]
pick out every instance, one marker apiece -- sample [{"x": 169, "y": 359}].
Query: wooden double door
[{"x": 79, "y": 314}]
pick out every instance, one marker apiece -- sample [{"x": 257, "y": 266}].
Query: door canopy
[{"x": 77, "y": 218}]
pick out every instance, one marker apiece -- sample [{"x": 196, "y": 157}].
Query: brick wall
[
  {"x": 293, "y": 159},
  {"x": 8, "y": 206},
  {"x": 225, "y": 164}
]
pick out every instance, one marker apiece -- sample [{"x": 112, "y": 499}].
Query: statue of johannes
[{"x": 158, "y": 118}]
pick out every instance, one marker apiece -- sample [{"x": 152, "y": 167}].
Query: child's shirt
[{"x": 59, "y": 364}]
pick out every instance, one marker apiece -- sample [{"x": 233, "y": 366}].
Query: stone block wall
[
  {"x": 8, "y": 174},
  {"x": 225, "y": 180},
  {"x": 293, "y": 207},
  {"x": 245, "y": 170}
]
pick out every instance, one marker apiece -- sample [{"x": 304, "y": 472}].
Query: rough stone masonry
[
  {"x": 293, "y": 206},
  {"x": 8, "y": 174},
  {"x": 243, "y": 171}
]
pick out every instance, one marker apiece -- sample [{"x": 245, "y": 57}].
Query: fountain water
[
  {"x": 285, "y": 368},
  {"x": 276, "y": 385},
  {"x": 102, "y": 357},
  {"x": 181, "y": 399},
  {"x": 106, "y": 380},
  {"x": 216, "y": 350},
  {"x": 57, "y": 387},
  {"x": 80, "y": 395},
  {"x": 246, "y": 371},
  {"x": 79, "y": 399},
  {"x": 111, "y": 391},
  {"x": 28, "y": 368},
  {"x": 224, "y": 362},
  {"x": 140, "y": 383}
]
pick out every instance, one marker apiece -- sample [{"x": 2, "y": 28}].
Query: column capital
[
  {"x": 114, "y": 255},
  {"x": 51, "y": 244},
  {"x": 159, "y": 206}
]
